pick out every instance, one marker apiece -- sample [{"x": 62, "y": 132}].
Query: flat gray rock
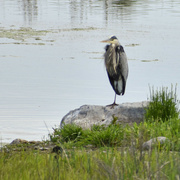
[
  {"x": 88, "y": 115},
  {"x": 154, "y": 142}
]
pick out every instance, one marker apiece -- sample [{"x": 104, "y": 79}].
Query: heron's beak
[{"x": 106, "y": 41}]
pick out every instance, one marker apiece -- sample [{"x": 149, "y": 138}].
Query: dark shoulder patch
[
  {"x": 106, "y": 47},
  {"x": 119, "y": 49}
]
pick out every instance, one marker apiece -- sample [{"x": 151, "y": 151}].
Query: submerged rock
[{"x": 88, "y": 115}]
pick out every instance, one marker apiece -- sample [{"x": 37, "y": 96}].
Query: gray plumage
[{"x": 116, "y": 65}]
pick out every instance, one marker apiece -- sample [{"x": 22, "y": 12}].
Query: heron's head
[{"x": 111, "y": 40}]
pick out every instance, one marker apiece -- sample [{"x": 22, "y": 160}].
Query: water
[{"x": 52, "y": 60}]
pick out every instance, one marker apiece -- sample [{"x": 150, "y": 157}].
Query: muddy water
[{"x": 51, "y": 57}]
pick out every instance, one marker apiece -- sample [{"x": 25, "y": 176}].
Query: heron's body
[{"x": 116, "y": 66}]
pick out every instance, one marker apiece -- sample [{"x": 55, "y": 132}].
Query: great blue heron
[{"x": 116, "y": 66}]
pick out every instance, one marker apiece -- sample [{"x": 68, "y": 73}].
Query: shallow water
[{"x": 52, "y": 59}]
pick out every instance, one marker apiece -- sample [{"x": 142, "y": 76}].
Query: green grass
[
  {"x": 116, "y": 135},
  {"x": 102, "y": 163},
  {"x": 69, "y": 132},
  {"x": 105, "y": 152},
  {"x": 98, "y": 136},
  {"x": 163, "y": 104}
]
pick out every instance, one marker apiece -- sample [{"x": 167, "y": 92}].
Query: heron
[{"x": 116, "y": 64}]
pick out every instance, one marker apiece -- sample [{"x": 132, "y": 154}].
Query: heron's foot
[{"x": 112, "y": 105}]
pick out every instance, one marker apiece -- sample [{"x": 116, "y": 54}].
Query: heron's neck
[{"x": 115, "y": 44}]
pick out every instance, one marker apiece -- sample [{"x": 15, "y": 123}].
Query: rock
[
  {"x": 88, "y": 115},
  {"x": 21, "y": 144},
  {"x": 22, "y": 141},
  {"x": 18, "y": 141},
  {"x": 154, "y": 143}
]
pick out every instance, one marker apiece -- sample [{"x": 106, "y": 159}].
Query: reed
[{"x": 163, "y": 104}]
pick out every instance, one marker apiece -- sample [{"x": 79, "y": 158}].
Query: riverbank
[{"x": 85, "y": 158}]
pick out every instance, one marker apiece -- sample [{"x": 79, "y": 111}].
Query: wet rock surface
[{"x": 88, "y": 115}]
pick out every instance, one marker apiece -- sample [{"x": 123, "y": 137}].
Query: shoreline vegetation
[{"x": 103, "y": 152}]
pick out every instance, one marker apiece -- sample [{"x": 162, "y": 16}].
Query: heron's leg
[
  {"x": 114, "y": 99},
  {"x": 113, "y": 104}
]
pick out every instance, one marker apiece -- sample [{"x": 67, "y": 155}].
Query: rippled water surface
[{"x": 51, "y": 57}]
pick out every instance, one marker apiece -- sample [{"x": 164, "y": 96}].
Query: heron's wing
[
  {"x": 116, "y": 84},
  {"x": 122, "y": 66}
]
